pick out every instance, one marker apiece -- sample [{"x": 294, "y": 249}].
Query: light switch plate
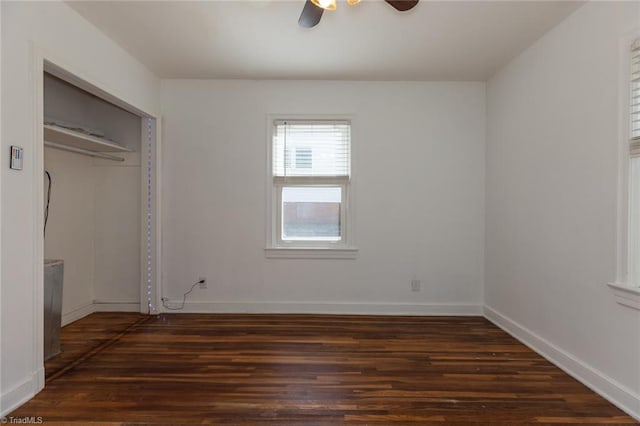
[{"x": 17, "y": 153}]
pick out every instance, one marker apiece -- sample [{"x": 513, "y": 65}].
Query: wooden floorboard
[
  {"x": 314, "y": 369},
  {"x": 86, "y": 335}
]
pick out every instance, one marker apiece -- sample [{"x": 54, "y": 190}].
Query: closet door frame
[{"x": 150, "y": 279}]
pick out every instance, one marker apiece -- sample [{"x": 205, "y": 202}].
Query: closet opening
[{"x": 98, "y": 216}]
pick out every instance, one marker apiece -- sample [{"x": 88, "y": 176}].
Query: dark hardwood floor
[
  {"x": 90, "y": 334},
  {"x": 311, "y": 369}
]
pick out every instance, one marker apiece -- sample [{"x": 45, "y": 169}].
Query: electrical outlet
[
  {"x": 203, "y": 282},
  {"x": 415, "y": 284}
]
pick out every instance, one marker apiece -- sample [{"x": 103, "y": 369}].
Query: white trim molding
[
  {"x": 626, "y": 294},
  {"x": 328, "y": 308},
  {"x": 614, "y": 392},
  {"x": 623, "y": 194},
  {"x": 98, "y": 306},
  {"x": 22, "y": 393},
  {"x": 77, "y": 313},
  {"x": 103, "y": 306},
  {"x": 311, "y": 253}
]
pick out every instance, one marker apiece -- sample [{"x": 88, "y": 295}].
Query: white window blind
[
  {"x": 635, "y": 99},
  {"x": 311, "y": 148}
]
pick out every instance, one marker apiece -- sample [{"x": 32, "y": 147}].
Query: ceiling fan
[{"x": 313, "y": 9}]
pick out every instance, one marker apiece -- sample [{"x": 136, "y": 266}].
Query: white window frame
[
  {"x": 275, "y": 246},
  {"x": 625, "y": 292},
  {"x": 312, "y": 182}
]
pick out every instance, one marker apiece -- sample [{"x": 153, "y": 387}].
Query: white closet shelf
[{"x": 71, "y": 138}]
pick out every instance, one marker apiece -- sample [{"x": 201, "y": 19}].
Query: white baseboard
[
  {"x": 616, "y": 393},
  {"x": 22, "y": 393},
  {"x": 77, "y": 313},
  {"x": 100, "y": 306},
  {"x": 325, "y": 308}
]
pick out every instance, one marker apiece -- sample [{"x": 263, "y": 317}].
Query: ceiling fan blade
[
  {"x": 402, "y": 5},
  {"x": 310, "y": 15}
]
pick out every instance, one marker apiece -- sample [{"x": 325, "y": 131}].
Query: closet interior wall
[{"x": 94, "y": 213}]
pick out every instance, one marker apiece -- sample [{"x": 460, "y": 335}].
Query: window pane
[
  {"x": 311, "y": 213},
  {"x": 311, "y": 148},
  {"x": 634, "y": 222}
]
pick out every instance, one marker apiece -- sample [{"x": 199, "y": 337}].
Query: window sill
[
  {"x": 626, "y": 295},
  {"x": 311, "y": 253}
]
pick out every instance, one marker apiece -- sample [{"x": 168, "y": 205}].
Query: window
[
  {"x": 627, "y": 287},
  {"x": 310, "y": 176},
  {"x": 633, "y": 260}
]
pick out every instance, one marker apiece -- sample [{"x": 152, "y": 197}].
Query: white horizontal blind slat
[
  {"x": 635, "y": 95},
  {"x": 311, "y": 148}
]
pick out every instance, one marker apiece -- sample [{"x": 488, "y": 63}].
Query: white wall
[
  {"x": 117, "y": 224},
  {"x": 61, "y": 33},
  {"x": 419, "y": 197},
  {"x": 71, "y": 226},
  {"x": 551, "y": 200}
]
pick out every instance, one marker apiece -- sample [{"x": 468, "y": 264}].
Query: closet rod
[{"x": 82, "y": 151}]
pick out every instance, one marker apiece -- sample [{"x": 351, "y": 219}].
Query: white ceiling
[{"x": 437, "y": 40}]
